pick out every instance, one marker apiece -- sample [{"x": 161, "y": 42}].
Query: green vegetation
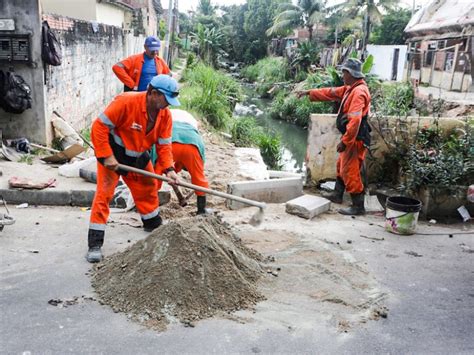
[
  {"x": 246, "y": 133},
  {"x": 266, "y": 73},
  {"x": 211, "y": 93},
  {"x": 390, "y": 30},
  {"x": 394, "y": 99},
  {"x": 439, "y": 161},
  {"x": 290, "y": 108}
]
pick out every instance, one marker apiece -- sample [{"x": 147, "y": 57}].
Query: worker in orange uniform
[
  {"x": 124, "y": 133},
  {"x": 189, "y": 153},
  {"x": 352, "y": 123},
  {"x": 136, "y": 71}
]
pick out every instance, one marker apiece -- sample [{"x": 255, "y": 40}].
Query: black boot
[
  {"x": 150, "y": 224},
  {"x": 357, "y": 207},
  {"x": 95, "y": 240},
  {"x": 201, "y": 205},
  {"x": 338, "y": 193}
]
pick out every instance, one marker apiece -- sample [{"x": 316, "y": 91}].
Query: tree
[
  {"x": 208, "y": 42},
  {"x": 390, "y": 31},
  {"x": 306, "y": 13},
  {"x": 236, "y": 40},
  {"x": 258, "y": 19},
  {"x": 370, "y": 10}
]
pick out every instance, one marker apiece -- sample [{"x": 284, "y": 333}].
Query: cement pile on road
[{"x": 187, "y": 270}]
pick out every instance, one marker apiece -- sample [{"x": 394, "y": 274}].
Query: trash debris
[
  {"x": 466, "y": 248},
  {"x": 432, "y": 221},
  {"x": 328, "y": 185},
  {"x": 72, "y": 169},
  {"x": 11, "y": 154},
  {"x": 372, "y": 238},
  {"x": 22, "y": 205},
  {"x": 464, "y": 213},
  {"x": 5, "y": 218},
  {"x": 21, "y": 145},
  {"x": 23, "y": 183},
  {"x": 65, "y": 155},
  {"x": 470, "y": 193}
]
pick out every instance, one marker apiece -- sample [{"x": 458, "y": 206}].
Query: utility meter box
[{"x": 15, "y": 48}]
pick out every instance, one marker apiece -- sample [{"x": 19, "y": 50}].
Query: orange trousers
[
  {"x": 187, "y": 156},
  {"x": 143, "y": 189},
  {"x": 349, "y": 164}
]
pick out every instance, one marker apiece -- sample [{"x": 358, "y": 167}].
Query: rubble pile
[{"x": 187, "y": 270}]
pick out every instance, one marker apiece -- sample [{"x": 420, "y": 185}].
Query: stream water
[{"x": 293, "y": 138}]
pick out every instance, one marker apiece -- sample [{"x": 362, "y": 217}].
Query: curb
[{"x": 80, "y": 198}]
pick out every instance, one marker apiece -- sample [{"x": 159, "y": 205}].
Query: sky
[{"x": 186, "y": 5}]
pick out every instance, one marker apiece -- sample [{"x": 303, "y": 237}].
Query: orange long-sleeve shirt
[
  {"x": 130, "y": 69},
  {"x": 356, "y": 105},
  {"x": 126, "y": 119}
]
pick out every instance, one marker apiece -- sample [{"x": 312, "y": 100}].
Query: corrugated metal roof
[{"x": 440, "y": 16}]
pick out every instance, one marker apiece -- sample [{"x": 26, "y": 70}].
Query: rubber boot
[
  {"x": 338, "y": 193},
  {"x": 357, "y": 207},
  {"x": 150, "y": 224},
  {"x": 201, "y": 206},
  {"x": 95, "y": 240}
]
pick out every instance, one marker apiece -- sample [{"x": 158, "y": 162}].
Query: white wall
[
  {"x": 383, "y": 59},
  {"x": 80, "y": 9},
  {"x": 110, "y": 15}
]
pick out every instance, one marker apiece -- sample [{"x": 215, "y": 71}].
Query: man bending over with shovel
[
  {"x": 188, "y": 153},
  {"x": 123, "y": 134}
]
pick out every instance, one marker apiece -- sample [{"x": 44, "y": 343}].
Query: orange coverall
[
  {"x": 187, "y": 156},
  {"x": 130, "y": 69},
  {"x": 125, "y": 120},
  {"x": 356, "y": 105}
]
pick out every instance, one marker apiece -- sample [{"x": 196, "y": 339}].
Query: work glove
[{"x": 341, "y": 147}]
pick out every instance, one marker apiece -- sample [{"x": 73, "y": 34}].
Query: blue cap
[
  {"x": 168, "y": 87},
  {"x": 152, "y": 43}
]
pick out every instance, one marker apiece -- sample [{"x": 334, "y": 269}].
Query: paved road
[{"x": 431, "y": 296}]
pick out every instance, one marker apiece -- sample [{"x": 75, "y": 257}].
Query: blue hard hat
[
  {"x": 152, "y": 43},
  {"x": 168, "y": 87}
]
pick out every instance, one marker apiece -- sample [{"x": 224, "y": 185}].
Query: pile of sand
[{"x": 187, "y": 270}]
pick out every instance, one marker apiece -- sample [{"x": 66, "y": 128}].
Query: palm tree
[
  {"x": 369, "y": 10},
  {"x": 306, "y": 13}
]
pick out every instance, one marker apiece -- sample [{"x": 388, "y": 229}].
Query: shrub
[
  {"x": 211, "y": 93},
  {"x": 393, "y": 99},
  {"x": 271, "y": 150},
  {"x": 291, "y": 109},
  {"x": 266, "y": 72},
  {"x": 245, "y": 132}
]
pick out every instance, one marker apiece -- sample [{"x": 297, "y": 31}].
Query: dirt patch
[{"x": 187, "y": 270}]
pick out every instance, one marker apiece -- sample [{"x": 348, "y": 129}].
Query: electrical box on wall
[{"x": 15, "y": 48}]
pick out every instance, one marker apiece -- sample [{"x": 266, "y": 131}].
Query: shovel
[{"x": 254, "y": 221}]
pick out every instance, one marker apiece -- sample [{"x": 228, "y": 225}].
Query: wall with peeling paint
[
  {"x": 31, "y": 123},
  {"x": 84, "y": 84}
]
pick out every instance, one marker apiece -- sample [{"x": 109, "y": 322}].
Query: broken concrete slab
[
  {"x": 270, "y": 191},
  {"x": 308, "y": 206}
]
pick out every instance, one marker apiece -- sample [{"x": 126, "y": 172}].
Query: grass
[{"x": 210, "y": 93}]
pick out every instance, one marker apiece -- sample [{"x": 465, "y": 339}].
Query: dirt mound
[{"x": 188, "y": 270}]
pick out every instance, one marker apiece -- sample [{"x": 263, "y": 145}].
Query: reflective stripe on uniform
[
  {"x": 151, "y": 214},
  {"x": 357, "y": 113},
  {"x": 119, "y": 64},
  {"x": 105, "y": 120},
  {"x": 164, "y": 140},
  {"x": 129, "y": 152},
  {"x": 97, "y": 226}
]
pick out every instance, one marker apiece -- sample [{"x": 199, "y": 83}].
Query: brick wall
[{"x": 81, "y": 87}]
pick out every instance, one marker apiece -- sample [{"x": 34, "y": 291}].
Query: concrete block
[
  {"x": 308, "y": 206},
  {"x": 270, "y": 191}
]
